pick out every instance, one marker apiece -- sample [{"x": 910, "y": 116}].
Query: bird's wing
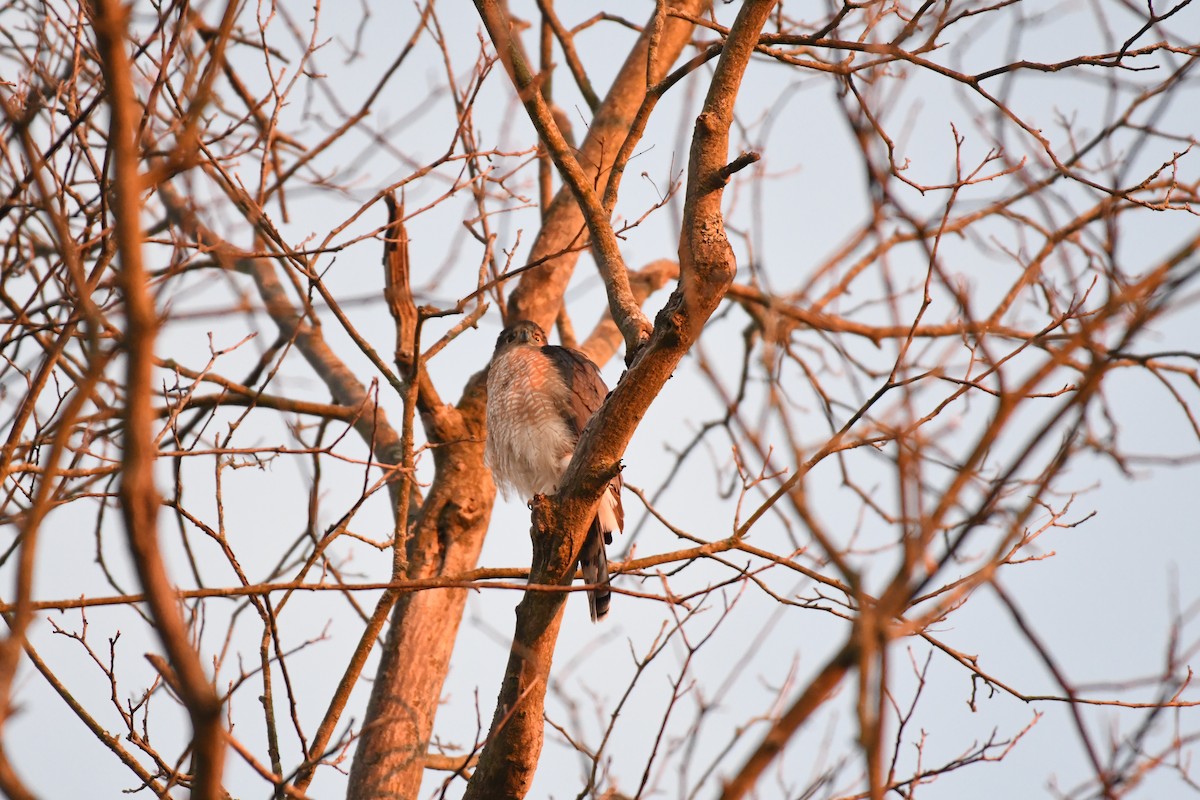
[
  {"x": 585, "y": 392},
  {"x": 585, "y": 388}
]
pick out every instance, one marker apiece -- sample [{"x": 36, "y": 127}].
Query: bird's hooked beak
[{"x": 524, "y": 335}]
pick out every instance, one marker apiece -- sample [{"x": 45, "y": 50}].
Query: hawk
[{"x": 540, "y": 397}]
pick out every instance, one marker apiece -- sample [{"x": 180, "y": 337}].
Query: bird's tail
[{"x": 594, "y": 563}]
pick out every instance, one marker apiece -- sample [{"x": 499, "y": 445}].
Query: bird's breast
[{"x": 528, "y": 438}]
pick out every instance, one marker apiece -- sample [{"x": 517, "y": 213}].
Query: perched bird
[{"x": 540, "y": 397}]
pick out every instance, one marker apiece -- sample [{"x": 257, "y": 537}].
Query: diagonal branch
[
  {"x": 634, "y": 325},
  {"x": 346, "y": 388},
  {"x": 539, "y": 294},
  {"x": 507, "y": 764}
]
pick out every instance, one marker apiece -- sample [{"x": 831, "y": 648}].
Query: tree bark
[
  {"x": 420, "y": 640},
  {"x": 707, "y": 266},
  {"x": 449, "y": 534}
]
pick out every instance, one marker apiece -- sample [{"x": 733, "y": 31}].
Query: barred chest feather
[{"x": 528, "y": 443}]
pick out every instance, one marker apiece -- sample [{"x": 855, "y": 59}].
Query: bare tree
[{"x": 904, "y": 294}]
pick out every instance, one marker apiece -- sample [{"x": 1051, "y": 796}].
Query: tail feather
[{"x": 594, "y": 563}]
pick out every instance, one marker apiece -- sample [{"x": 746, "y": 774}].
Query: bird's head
[{"x": 521, "y": 333}]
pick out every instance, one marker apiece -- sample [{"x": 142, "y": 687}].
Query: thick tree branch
[
  {"x": 138, "y": 495},
  {"x": 446, "y": 539},
  {"x": 507, "y": 764},
  {"x": 457, "y": 509}
]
